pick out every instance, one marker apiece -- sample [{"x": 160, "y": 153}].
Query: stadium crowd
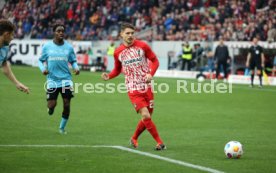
[{"x": 193, "y": 20}]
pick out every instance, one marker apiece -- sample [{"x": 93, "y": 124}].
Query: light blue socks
[{"x": 63, "y": 123}]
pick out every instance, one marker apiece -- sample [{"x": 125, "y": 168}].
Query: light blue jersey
[
  {"x": 3, "y": 54},
  {"x": 55, "y": 59}
]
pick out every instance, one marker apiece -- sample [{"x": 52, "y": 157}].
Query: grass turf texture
[{"x": 195, "y": 128}]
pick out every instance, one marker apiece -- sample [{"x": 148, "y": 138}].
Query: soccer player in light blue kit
[
  {"x": 56, "y": 55},
  {"x": 6, "y": 35}
]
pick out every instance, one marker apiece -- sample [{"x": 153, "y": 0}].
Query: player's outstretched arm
[
  {"x": 115, "y": 72},
  {"x": 8, "y": 72},
  {"x": 22, "y": 88}
]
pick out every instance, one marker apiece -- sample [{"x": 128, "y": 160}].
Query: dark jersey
[
  {"x": 256, "y": 54},
  {"x": 221, "y": 53}
]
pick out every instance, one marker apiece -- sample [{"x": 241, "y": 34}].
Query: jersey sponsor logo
[
  {"x": 135, "y": 67},
  {"x": 131, "y": 56},
  {"x": 57, "y": 59},
  {"x": 131, "y": 61}
]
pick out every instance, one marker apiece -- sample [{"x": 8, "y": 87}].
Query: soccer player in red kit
[{"x": 131, "y": 57}]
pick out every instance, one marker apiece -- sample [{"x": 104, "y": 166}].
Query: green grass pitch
[{"x": 195, "y": 128}]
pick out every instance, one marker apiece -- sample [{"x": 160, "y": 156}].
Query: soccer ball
[
  {"x": 233, "y": 150},
  {"x": 200, "y": 79}
]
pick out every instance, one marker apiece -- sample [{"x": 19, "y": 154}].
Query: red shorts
[{"x": 141, "y": 99}]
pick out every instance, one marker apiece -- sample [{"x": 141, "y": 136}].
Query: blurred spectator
[
  {"x": 237, "y": 20},
  {"x": 90, "y": 55},
  {"x": 197, "y": 55},
  {"x": 271, "y": 33},
  {"x": 111, "y": 49},
  {"x": 274, "y": 66},
  {"x": 186, "y": 56},
  {"x": 221, "y": 58},
  {"x": 210, "y": 60}
]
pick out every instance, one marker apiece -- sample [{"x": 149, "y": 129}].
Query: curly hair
[
  {"x": 57, "y": 25},
  {"x": 6, "y": 26}
]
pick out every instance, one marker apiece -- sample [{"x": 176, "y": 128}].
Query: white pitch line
[
  {"x": 177, "y": 162},
  {"x": 49, "y": 146}
]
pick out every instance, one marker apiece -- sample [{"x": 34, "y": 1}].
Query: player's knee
[
  {"x": 144, "y": 112},
  {"x": 145, "y": 115},
  {"x": 52, "y": 104}
]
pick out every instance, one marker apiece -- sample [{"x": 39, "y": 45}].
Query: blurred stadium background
[
  {"x": 92, "y": 26},
  {"x": 194, "y": 126}
]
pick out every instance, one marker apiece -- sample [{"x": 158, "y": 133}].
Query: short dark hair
[
  {"x": 256, "y": 36},
  {"x": 6, "y": 26},
  {"x": 57, "y": 25},
  {"x": 125, "y": 25}
]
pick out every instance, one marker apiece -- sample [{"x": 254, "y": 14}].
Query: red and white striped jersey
[{"x": 133, "y": 62}]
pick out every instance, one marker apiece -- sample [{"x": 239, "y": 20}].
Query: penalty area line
[{"x": 177, "y": 162}]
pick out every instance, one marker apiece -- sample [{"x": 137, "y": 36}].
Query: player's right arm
[
  {"x": 8, "y": 72},
  {"x": 42, "y": 60},
  {"x": 115, "y": 72}
]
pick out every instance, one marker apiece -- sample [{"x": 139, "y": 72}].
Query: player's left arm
[
  {"x": 73, "y": 62},
  {"x": 149, "y": 54},
  {"x": 8, "y": 72}
]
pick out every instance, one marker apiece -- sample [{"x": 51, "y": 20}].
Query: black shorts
[
  {"x": 66, "y": 93},
  {"x": 254, "y": 64}
]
